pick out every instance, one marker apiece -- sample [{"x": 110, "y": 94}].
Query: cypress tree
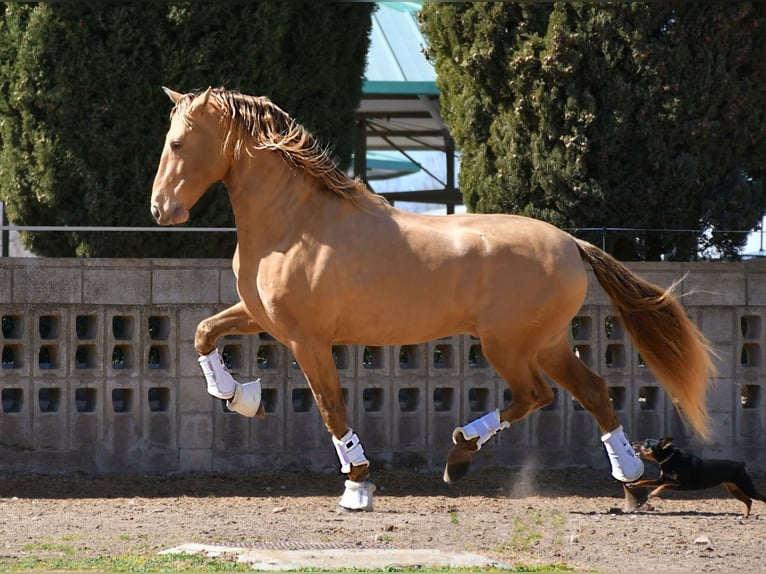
[
  {"x": 639, "y": 115},
  {"x": 84, "y": 116}
]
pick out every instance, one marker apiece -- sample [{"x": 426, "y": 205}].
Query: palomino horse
[{"x": 310, "y": 272}]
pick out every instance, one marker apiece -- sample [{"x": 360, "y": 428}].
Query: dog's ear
[{"x": 666, "y": 441}]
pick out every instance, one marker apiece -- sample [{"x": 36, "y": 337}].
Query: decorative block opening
[
  {"x": 122, "y": 357},
  {"x": 582, "y": 327},
  {"x": 122, "y": 400},
  {"x": 476, "y": 359},
  {"x": 158, "y": 357},
  {"x": 267, "y": 357},
  {"x": 372, "y": 399},
  {"x": 409, "y": 399},
  {"x": 85, "y": 357},
  {"x": 159, "y": 327},
  {"x": 265, "y": 337},
  {"x": 648, "y": 398},
  {"x": 576, "y": 406},
  {"x": 612, "y": 327},
  {"x": 584, "y": 353},
  {"x": 123, "y": 327},
  {"x": 750, "y": 356},
  {"x": 617, "y": 396},
  {"x": 85, "y": 400},
  {"x": 85, "y": 327},
  {"x": 12, "y": 400},
  {"x": 49, "y": 326},
  {"x": 12, "y": 357},
  {"x": 269, "y": 400},
  {"x": 750, "y": 326},
  {"x": 553, "y": 405},
  {"x": 750, "y": 396},
  {"x": 443, "y": 357},
  {"x": 507, "y": 397},
  {"x": 49, "y": 399},
  {"x": 48, "y": 357},
  {"x": 640, "y": 362},
  {"x": 372, "y": 357},
  {"x": 340, "y": 356},
  {"x": 294, "y": 363},
  {"x": 302, "y": 400},
  {"x": 231, "y": 354},
  {"x": 408, "y": 357},
  {"x": 443, "y": 397},
  {"x": 159, "y": 399},
  {"x": 615, "y": 356},
  {"x": 478, "y": 399},
  {"x": 12, "y": 326}
]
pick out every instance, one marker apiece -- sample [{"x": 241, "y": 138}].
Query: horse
[{"x": 309, "y": 271}]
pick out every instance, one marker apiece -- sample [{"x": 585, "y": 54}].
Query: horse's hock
[{"x": 99, "y": 374}]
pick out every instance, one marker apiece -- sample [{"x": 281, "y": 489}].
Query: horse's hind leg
[
  {"x": 590, "y": 390},
  {"x": 530, "y": 392}
]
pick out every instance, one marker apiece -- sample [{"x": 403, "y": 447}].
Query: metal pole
[{"x": 6, "y": 232}]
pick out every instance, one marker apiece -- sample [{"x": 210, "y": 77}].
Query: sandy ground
[{"x": 570, "y": 517}]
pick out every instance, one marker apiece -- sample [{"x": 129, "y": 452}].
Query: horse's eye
[{"x": 175, "y": 145}]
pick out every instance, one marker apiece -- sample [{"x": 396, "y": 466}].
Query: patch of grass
[
  {"x": 531, "y": 527},
  {"x": 453, "y": 518},
  {"x": 127, "y": 563}
]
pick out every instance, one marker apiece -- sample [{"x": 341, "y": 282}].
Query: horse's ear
[
  {"x": 666, "y": 441},
  {"x": 200, "y": 101},
  {"x": 175, "y": 97}
]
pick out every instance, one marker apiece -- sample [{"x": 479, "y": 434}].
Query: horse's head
[{"x": 192, "y": 158}]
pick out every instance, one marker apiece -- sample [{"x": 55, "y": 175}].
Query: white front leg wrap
[
  {"x": 484, "y": 428},
  {"x": 350, "y": 451},
  {"x": 220, "y": 383},
  {"x": 626, "y": 465},
  {"x": 243, "y": 399}
]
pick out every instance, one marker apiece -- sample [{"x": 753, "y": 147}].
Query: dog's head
[{"x": 654, "y": 449}]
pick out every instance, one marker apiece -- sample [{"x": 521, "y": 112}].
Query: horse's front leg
[
  {"x": 319, "y": 369},
  {"x": 244, "y": 399}
]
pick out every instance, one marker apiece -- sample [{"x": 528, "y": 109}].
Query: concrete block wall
[{"x": 99, "y": 375}]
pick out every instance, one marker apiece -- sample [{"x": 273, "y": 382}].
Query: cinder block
[
  {"x": 132, "y": 287},
  {"x": 193, "y": 286},
  {"x": 195, "y": 432},
  {"x": 47, "y": 285},
  {"x": 195, "y": 460}
]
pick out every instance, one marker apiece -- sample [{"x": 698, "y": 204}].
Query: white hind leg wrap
[
  {"x": 350, "y": 451},
  {"x": 483, "y": 428},
  {"x": 626, "y": 465}
]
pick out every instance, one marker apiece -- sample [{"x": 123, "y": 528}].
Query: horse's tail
[{"x": 672, "y": 347}]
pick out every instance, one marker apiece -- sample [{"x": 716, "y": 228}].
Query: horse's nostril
[{"x": 156, "y": 213}]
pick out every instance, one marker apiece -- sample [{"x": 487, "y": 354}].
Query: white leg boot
[
  {"x": 626, "y": 465},
  {"x": 244, "y": 399}
]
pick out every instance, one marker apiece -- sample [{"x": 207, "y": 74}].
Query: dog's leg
[{"x": 735, "y": 491}]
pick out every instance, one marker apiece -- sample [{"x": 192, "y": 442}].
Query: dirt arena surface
[{"x": 572, "y": 518}]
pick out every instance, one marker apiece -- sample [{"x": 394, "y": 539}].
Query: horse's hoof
[
  {"x": 635, "y": 498},
  {"x": 459, "y": 461}
]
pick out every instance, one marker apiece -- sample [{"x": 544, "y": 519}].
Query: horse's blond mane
[{"x": 256, "y": 123}]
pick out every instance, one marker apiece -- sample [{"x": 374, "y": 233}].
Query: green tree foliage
[
  {"x": 638, "y": 115},
  {"x": 83, "y": 116}
]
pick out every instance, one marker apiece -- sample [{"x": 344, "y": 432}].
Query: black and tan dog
[{"x": 684, "y": 471}]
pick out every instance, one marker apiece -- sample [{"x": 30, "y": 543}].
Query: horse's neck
[{"x": 271, "y": 200}]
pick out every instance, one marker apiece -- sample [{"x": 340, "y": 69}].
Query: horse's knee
[{"x": 204, "y": 342}]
